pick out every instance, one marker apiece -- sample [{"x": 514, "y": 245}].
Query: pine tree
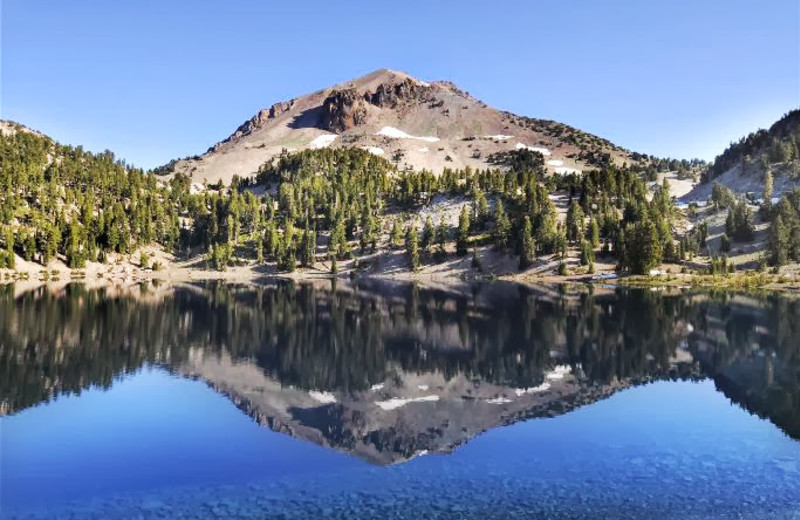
[
  {"x": 369, "y": 229},
  {"x": 480, "y": 208},
  {"x": 396, "y": 235},
  {"x": 9, "y": 239},
  {"x": 502, "y": 226},
  {"x": 462, "y": 237},
  {"x": 593, "y": 233},
  {"x": 575, "y": 217},
  {"x": 337, "y": 240},
  {"x": 428, "y": 233},
  {"x": 768, "y": 188},
  {"x": 75, "y": 257},
  {"x": 642, "y": 247},
  {"x": 290, "y": 262},
  {"x": 738, "y": 223},
  {"x": 309, "y": 247},
  {"x": 412, "y": 247},
  {"x": 587, "y": 253},
  {"x": 528, "y": 246}
]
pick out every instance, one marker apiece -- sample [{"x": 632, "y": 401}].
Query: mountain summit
[{"x": 413, "y": 123}]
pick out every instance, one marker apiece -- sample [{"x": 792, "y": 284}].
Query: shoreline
[{"x": 130, "y": 275}]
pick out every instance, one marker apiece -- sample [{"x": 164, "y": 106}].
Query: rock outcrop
[{"x": 343, "y": 110}]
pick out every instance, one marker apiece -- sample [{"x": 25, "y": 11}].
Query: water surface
[{"x": 368, "y": 400}]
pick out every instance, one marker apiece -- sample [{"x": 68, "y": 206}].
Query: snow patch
[
  {"x": 423, "y": 387},
  {"x": 499, "y": 400},
  {"x": 559, "y": 372},
  {"x": 543, "y": 151},
  {"x": 322, "y": 141},
  {"x": 397, "y": 402},
  {"x": 555, "y": 162},
  {"x": 532, "y": 390},
  {"x": 396, "y": 133},
  {"x": 564, "y": 170},
  {"x": 374, "y": 150},
  {"x": 424, "y": 149},
  {"x": 377, "y": 387},
  {"x": 322, "y": 397},
  {"x": 499, "y": 137}
]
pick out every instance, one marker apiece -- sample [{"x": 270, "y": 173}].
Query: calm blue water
[
  {"x": 159, "y": 446},
  {"x": 366, "y": 400}
]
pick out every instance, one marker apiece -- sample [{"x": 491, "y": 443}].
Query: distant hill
[
  {"x": 412, "y": 123},
  {"x": 742, "y": 166}
]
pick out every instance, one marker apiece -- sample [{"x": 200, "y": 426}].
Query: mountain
[
  {"x": 743, "y": 165},
  {"x": 415, "y": 124}
]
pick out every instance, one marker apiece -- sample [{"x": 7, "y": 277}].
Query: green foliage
[
  {"x": 428, "y": 234},
  {"x": 480, "y": 209},
  {"x": 719, "y": 265},
  {"x": 528, "y": 254},
  {"x": 738, "y": 224},
  {"x": 462, "y": 236},
  {"x": 778, "y": 144},
  {"x": 396, "y": 235},
  {"x": 769, "y": 187},
  {"x": 724, "y": 243},
  {"x": 587, "y": 253},
  {"x": 641, "y": 246},
  {"x": 412, "y": 247},
  {"x": 783, "y": 244},
  {"x": 83, "y": 207},
  {"x": 442, "y": 235},
  {"x": 502, "y": 226},
  {"x": 309, "y": 247},
  {"x": 722, "y": 197},
  {"x": 575, "y": 222},
  {"x": 593, "y": 233}
]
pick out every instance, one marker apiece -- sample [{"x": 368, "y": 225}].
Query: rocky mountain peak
[{"x": 419, "y": 125}]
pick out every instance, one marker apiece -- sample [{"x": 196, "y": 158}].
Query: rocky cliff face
[
  {"x": 343, "y": 110},
  {"x": 404, "y": 93}
]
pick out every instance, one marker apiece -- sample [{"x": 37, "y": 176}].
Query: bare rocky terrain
[{"x": 413, "y": 123}]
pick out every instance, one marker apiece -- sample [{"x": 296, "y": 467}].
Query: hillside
[
  {"x": 743, "y": 165},
  {"x": 350, "y": 199},
  {"x": 412, "y": 123}
]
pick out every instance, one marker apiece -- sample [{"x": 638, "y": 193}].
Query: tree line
[{"x": 321, "y": 205}]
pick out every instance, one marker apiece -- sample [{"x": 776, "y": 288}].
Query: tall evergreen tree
[
  {"x": 502, "y": 226},
  {"x": 462, "y": 237},
  {"x": 528, "y": 246},
  {"x": 412, "y": 247}
]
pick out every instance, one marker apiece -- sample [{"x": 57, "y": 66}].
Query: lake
[{"x": 370, "y": 399}]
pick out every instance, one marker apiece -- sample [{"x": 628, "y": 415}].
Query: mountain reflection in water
[{"x": 388, "y": 371}]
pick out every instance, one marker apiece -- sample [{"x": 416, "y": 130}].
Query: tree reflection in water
[{"x": 346, "y": 337}]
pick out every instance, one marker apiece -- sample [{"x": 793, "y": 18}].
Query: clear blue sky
[{"x": 154, "y": 80}]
